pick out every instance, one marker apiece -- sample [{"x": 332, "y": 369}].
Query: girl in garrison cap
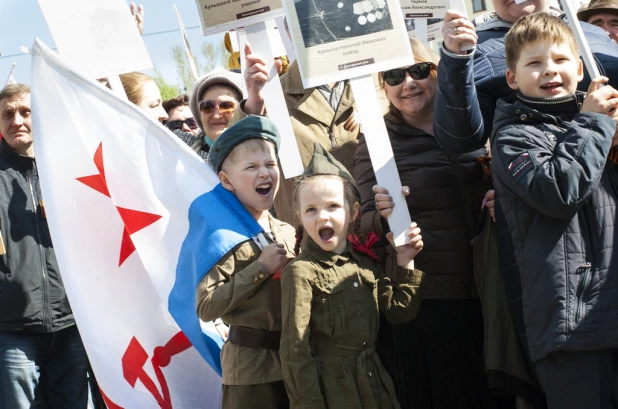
[{"x": 332, "y": 295}]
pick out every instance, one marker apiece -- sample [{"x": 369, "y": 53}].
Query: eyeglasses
[
  {"x": 225, "y": 107},
  {"x": 177, "y": 124},
  {"x": 418, "y": 71}
]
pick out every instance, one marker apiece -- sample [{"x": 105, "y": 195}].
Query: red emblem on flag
[{"x": 134, "y": 220}]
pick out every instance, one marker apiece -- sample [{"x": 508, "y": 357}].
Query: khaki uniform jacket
[
  {"x": 311, "y": 117},
  {"x": 331, "y": 308},
  {"x": 239, "y": 290}
]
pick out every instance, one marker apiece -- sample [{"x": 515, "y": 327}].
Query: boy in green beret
[{"x": 243, "y": 288}]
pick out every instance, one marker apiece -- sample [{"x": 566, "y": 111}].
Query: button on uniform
[{"x": 355, "y": 284}]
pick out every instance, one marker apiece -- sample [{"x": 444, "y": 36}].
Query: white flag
[{"x": 122, "y": 194}]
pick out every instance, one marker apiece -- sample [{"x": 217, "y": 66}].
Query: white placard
[
  {"x": 276, "y": 44},
  {"x": 420, "y": 31},
  {"x": 285, "y": 38},
  {"x": 289, "y": 156},
  {"x": 98, "y": 37},
  {"x": 381, "y": 154},
  {"x": 336, "y": 40},
  {"x": 582, "y": 43},
  {"x": 460, "y": 6},
  {"x": 234, "y": 40},
  {"x": 424, "y": 8},
  {"x": 242, "y": 41},
  {"x": 434, "y": 28},
  {"x": 224, "y": 15}
]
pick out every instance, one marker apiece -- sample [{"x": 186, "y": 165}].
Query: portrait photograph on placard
[
  {"x": 341, "y": 39},
  {"x": 225, "y": 15}
]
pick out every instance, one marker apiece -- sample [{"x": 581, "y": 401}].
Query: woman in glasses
[
  {"x": 214, "y": 98},
  {"x": 436, "y": 360}
]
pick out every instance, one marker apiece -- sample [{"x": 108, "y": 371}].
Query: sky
[{"x": 22, "y": 20}]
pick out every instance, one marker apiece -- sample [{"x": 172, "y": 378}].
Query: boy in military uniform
[{"x": 242, "y": 288}]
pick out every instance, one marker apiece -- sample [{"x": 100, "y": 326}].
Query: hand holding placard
[
  {"x": 458, "y": 32},
  {"x": 460, "y": 7}
]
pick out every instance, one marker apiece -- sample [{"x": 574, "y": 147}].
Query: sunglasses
[
  {"x": 177, "y": 124},
  {"x": 418, "y": 71},
  {"x": 225, "y": 107}
]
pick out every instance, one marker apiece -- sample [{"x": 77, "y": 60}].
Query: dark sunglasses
[
  {"x": 418, "y": 71},
  {"x": 225, "y": 107},
  {"x": 177, "y": 124}
]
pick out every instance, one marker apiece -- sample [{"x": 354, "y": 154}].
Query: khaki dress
[
  {"x": 239, "y": 290},
  {"x": 331, "y": 306}
]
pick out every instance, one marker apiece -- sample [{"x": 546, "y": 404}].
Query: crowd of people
[{"x": 506, "y": 294}]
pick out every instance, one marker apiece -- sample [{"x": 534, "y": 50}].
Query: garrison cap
[
  {"x": 323, "y": 163},
  {"x": 251, "y": 127}
]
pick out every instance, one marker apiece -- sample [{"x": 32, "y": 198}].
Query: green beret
[
  {"x": 251, "y": 127},
  {"x": 323, "y": 163}
]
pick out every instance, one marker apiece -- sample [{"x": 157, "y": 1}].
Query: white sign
[
  {"x": 424, "y": 8},
  {"x": 224, "y": 15},
  {"x": 97, "y": 37}
]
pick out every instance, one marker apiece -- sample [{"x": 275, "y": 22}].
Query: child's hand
[
  {"x": 602, "y": 100},
  {"x": 273, "y": 257},
  {"x": 384, "y": 203},
  {"x": 407, "y": 252},
  {"x": 490, "y": 202},
  {"x": 457, "y": 29}
]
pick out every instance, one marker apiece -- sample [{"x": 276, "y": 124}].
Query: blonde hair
[
  {"x": 422, "y": 53},
  {"x": 133, "y": 84},
  {"x": 533, "y": 28}
]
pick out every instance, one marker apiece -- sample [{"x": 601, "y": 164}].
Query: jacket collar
[
  {"x": 396, "y": 125},
  {"x": 567, "y": 105},
  {"x": 312, "y": 102},
  {"x": 328, "y": 258},
  {"x": 23, "y": 162}
]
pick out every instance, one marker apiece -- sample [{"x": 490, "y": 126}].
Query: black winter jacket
[
  {"x": 560, "y": 196},
  {"x": 445, "y": 199},
  {"x": 32, "y": 296}
]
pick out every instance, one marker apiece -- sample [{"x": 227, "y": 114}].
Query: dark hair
[{"x": 176, "y": 102}]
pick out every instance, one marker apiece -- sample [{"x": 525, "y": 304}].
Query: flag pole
[
  {"x": 10, "y": 79},
  {"x": 185, "y": 41},
  {"x": 584, "y": 48}
]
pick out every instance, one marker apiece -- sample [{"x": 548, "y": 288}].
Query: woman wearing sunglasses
[
  {"x": 214, "y": 98},
  {"x": 436, "y": 360}
]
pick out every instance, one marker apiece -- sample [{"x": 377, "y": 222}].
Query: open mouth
[
  {"x": 551, "y": 86},
  {"x": 326, "y": 233},
  {"x": 264, "y": 189}
]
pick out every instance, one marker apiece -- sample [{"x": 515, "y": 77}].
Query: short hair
[
  {"x": 13, "y": 90},
  {"x": 176, "y": 102},
  {"x": 250, "y": 145},
  {"x": 533, "y": 28},
  {"x": 133, "y": 84}
]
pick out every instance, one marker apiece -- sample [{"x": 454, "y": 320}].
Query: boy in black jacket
[{"x": 559, "y": 195}]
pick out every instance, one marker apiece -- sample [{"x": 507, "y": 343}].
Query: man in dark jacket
[{"x": 38, "y": 336}]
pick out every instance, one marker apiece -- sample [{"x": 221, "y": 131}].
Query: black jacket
[
  {"x": 560, "y": 196},
  {"x": 446, "y": 193},
  {"x": 32, "y": 296}
]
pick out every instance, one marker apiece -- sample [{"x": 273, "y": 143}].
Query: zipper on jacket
[
  {"x": 585, "y": 270},
  {"x": 46, "y": 320}
]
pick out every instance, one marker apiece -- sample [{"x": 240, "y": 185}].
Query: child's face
[
  {"x": 325, "y": 214},
  {"x": 253, "y": 176},
  {"x": 546, "y": 70}
]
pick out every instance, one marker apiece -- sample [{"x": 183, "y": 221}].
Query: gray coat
[{"x": 559, "y": 195}]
